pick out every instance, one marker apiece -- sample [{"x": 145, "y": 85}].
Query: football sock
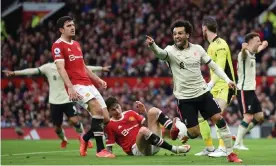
[
  {"x": 164, "y": 120},
  {"x": 79, "y": 128},
  {"x": 61, "y": 134},
  {"x": 251, "y": 125},
  {"x": 97, "y": 128},
  {"x": 221, "y": 143},
  {"x": 242, "y": 130},
  {"x": 157, "y": 141},
  {"x": 206, "y": 133},
  {"x": 225, "y": 134}
]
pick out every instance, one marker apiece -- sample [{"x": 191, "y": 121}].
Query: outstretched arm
[
  {"x": 29, "y": 71},
  {"x": 99, "y": 68},
  {"x": 159, "y": 52}
]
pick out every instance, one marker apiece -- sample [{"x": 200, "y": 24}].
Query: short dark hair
[
  {"x": 210, "y": 23},
  {"x": 250, "y": 36},
  {"x": 62, "y": 20},
  {"x": 110, "y": 102},
  {"x": 186, "y": 24}
]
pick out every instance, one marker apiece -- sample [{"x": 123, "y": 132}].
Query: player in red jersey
[
  {"x": 127, "y": 129},
  {"x": 77, "y": 77}
]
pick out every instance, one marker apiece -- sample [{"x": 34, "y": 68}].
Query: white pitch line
[{"x": 21, "y": 154}]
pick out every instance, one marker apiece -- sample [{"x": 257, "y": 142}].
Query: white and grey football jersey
[
  {"x": 185, "y": 66},
  {"x": 57, "y": 94},
  {"x": 247, "y": 71}
]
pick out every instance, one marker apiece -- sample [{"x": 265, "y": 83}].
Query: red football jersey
[
  {"x": 124, "y": 131},
  {"x": 72, "y": 56}
]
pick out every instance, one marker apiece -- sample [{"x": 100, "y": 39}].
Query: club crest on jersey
[
  {"x": 87, "y": 94},
  {"x": 131, "y": 118}
]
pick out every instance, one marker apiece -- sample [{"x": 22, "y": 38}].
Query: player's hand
[
  {"x": 140, "y": 107},
  {"x": 231, "y": 84},
  {"x": 244, "y": 46},
  {"x": 73, "y": 95},
  {"x": 106, "y": 68},
  {"x": 8, "y": 73},
  {"x": 102, "y": 84},
  {"x": 265, "y": 43},
  {"x": 149, "y": 40}
]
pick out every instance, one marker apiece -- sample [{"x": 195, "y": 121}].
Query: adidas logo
[
  {"x": 119, "y": 127},
  {"x": 32, "y": 135}
]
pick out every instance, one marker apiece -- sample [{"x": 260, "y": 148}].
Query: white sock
[
  {"x": 241, "y": 132},
  {"x": 227, "y": 138}
]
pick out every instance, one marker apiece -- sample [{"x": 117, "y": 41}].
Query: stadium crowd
[{"x": 113, "y": 33}]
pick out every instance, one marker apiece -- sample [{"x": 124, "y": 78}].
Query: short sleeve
[
  {"x": 205, "y": 59},
  {"x": 43, "y": 69},
  {"x": 110, "y": 140},
  {"x": 138, "y": 117},
  {"x": 57, "y": 52}
]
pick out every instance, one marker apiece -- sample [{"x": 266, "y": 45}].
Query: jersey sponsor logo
[
  {"x": 73, "y": 57},
  {"x": 125, "y": 132},
  {"x": 131, "y": 118},
  {"x": 57, "y": 52}
]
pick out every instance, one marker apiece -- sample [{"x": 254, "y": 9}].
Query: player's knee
[
  {"x": 248, "y": 118},
  {"x": 74, "y": 120},
  {"x": 153, "y": 111},
  {"x": 144, "y": 131},
  {"x": 259, "y": 118},
  {"x": 216, "y": 118},
  {"x": 95, "y": 107}
]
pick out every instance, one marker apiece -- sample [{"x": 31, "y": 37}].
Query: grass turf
[{"x": 14, "y": 152}]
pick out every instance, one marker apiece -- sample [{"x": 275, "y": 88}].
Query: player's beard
[{"x": 182, "y": 45}]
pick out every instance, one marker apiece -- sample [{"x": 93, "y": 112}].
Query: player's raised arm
[
  {"x": 29, "y": 71},
  {"x": 159, "y": 52},
  {"x": 99, "y": 68},
  {"x": 243, "y": 50},
  {"x": 262, "y": 46}
]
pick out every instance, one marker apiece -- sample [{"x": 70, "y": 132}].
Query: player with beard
[
  {"x": 190, "y": 88},
  {"x": 220, "y": 53}
]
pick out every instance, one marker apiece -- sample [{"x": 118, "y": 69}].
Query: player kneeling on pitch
[{"x": 128, "y": 129}]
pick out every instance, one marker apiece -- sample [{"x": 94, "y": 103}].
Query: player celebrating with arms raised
[
  {"x": 250, "y": 105},
  {"x": 77, "y": 78},
  {"x": 190, "y": 89}
]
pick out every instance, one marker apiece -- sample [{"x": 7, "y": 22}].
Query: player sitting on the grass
[
  {"x": 58, "y": 97},
  {"x": 128, "y": 130}
]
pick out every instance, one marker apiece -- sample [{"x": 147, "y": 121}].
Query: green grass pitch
[{"x": 18, "y": 152}]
